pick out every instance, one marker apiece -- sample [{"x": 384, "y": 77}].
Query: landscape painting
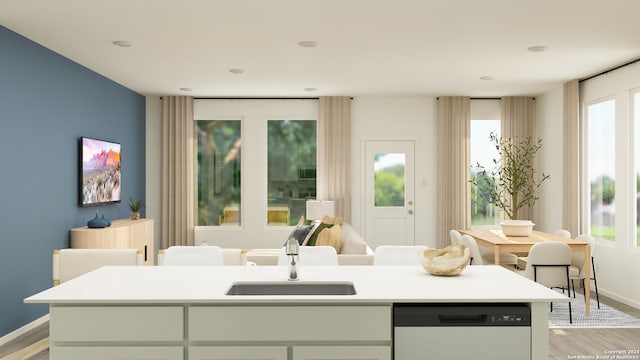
[{"x": 100, "y": 172}]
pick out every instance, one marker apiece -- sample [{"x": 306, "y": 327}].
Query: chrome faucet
[{"x": 292, "y": 249}]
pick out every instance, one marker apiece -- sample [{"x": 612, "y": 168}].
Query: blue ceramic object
[
  {"x": 106, "y": 221},
  {"x": 96, "y": 222}
]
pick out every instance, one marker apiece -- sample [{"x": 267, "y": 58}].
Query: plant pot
[
  {"x": 517, "y": 227},
  {"x": 134, "y": 216}
]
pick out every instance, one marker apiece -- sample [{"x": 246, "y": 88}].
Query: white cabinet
[
  {"x": 117, "y": 353},
  {"x": 238, "y": 353},
  {"x": 342, "y": 352},
  {"x": 122, "y": 234}
]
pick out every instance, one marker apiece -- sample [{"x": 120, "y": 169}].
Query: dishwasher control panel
[{"x": 456, "y": 314}]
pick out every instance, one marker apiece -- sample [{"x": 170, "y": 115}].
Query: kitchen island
[{"x": 184, "y": 312}]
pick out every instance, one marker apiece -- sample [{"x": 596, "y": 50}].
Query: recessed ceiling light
[
  {"x": 537, "y": 48},
  {"x": 308, "y": 43},
  {"x": 236, "y": 71},
  {"x": 186, "y": 89},
  {"x": 310, "y": 89},
  {"x": 122, "y": 43},
  {"x": 486, "y": 77}
]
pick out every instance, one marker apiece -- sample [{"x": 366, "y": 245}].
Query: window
[
  {"x": 291, "y": 170},
  {"x": 219, "y": 159},
  {"x": 483, "y": 152},
  {"x": 636, "y": 121},
  {"x": 601, "y": 168},
  {"x": 389, "y": 179}
]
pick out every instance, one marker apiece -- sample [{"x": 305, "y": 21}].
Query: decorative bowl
[
  {"x": 446, "y": 262},
  {"x": 517, "y": 227}
]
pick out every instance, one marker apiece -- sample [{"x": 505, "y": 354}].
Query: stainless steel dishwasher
[{"x": 461, "y": 331}]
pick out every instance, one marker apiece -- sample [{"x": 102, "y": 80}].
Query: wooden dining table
[{"x": 499, "y": 242}]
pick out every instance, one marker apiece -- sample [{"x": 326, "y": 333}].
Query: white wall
[
  {"x": 398, "y": 118},
  {"x": 548, "y": 209}
]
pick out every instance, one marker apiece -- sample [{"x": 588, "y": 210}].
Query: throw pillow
[
  {"x": 352, "y": 242},
  {"x": 331, "y": 237},
  {"x": 314, "y": 237}
]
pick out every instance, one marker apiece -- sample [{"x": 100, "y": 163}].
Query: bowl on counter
[{"x": 448, "y": 261}]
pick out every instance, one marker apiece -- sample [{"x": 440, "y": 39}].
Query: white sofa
[{"x": 355, "y": 251}]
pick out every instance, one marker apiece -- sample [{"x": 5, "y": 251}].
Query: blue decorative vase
[
  {"x": 106, "y": 221},
  {"x": 97, "y": 222}
]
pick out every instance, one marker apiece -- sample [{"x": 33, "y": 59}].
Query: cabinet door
[
  {"x": 342, "y": 352},
  {"x": 238, "y": 353},
  {"x": 116, "y": 353}
]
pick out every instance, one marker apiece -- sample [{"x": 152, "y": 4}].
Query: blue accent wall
[{"x": 46, "y": 103}]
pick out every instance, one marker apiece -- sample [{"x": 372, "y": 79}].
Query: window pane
[
  {"x": 601, "y": 165},
  {"x": 291, "y": 169},
  {"x": 219, "y": 150},
  {"x": 389, "y": 179},
  {"x": 483, "y": 152},
  {"x": 636, "y": 115}
]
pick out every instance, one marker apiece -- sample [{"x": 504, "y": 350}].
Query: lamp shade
[{"x": 317, "y": 209}]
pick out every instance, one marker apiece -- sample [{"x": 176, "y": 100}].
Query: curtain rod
[
  {"x": 256, "y": 98},
  {"x": 610, "y": 70},
  {"x": 485, "y": 98}
]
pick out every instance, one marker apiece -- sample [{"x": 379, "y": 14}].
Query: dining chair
[
  {"x": 455, "y": 236},
  {"x": 548, "y": 265},
  {"x": 311, "y": 255},
  {"x": 191, "y": 255},
  {"x": 71, "y": 263},
  {"x": 398, "y": 255},
  {"x": 474, "y": 249},
  {"x": 563, "y": 233},
  {"x": 577, "y": 268}
]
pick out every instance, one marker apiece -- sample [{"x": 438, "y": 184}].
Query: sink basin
[{"x": 292, "y": 288}]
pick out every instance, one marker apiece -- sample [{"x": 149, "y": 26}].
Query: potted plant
[
  {"x": 511, "y": 183},
  {"x": 135, "y": 206}
]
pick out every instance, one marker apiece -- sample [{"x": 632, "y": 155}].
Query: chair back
[
  {"x": 548, "y": 263},
  {"x": 191, "y": 256},
  {"x": 398, "y": 255},
  {"x": 577, "y": 258},
  {"x": 71, "y": 263},
  {"x": 311, "y": 255},
  {"x": 456, "y": 236},
  {"x": 563, "y": 233},
  {"x": 234, "y": 257},
  {"x": 474, "y": 249}
]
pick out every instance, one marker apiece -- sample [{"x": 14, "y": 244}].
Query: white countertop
[{"x": 374, "y": 284}]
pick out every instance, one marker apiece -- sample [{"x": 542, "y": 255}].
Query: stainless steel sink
[{"x": 292, "y": 288}]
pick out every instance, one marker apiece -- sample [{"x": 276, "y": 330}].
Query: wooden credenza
[{"x": 122, "y": 234}]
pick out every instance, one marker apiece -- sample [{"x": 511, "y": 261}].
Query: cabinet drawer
[
  {"x": 238, "y": 352},
  {"x": 117, "y": 353},
  {"x": 342, "y": 352},
  {"x": 117, "y": 323},
  {"x": 290, "y": 323}
]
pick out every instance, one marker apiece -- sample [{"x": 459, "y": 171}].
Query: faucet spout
[{"x": 292, "y": 250}]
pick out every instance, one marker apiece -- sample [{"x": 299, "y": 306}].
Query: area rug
[{"x": 605, "y": 317}]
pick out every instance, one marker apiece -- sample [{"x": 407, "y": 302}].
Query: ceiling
[{"x": 364, "y": 47}]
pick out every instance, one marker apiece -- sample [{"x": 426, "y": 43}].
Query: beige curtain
[
  {"x": 178, "y": 168},
  {"x": 517, "y": 119},
  {"x": 334, "y": 153},
  {"x": 454, "y": 207},
  {"x": 570, "y": 157}
]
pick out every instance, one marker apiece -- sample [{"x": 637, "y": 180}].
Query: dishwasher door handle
[{"x": 462, "y": 319}]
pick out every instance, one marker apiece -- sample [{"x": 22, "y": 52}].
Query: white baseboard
[
  {"x": 616, "y": 297},
  {"x": 23, "y": 330}
]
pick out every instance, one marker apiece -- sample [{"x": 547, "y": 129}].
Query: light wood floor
[{"x": 563, "y": 343}]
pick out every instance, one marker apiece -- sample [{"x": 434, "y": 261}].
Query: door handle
[{"x": 410, "y": 212}]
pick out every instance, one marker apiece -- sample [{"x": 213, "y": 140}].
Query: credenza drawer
[{"x": 117, "y": 323}]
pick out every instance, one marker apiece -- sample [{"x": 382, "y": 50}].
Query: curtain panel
[
  {"x": 178, "y": 171},
  {"x": 518, "y": 121},
  {"x": 334, "y": 153},
  {"x": 570, "y": 157},
  {"x": 453, "y": 127}
]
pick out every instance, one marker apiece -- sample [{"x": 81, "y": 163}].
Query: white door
[{"x": 389, "y": 192}]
